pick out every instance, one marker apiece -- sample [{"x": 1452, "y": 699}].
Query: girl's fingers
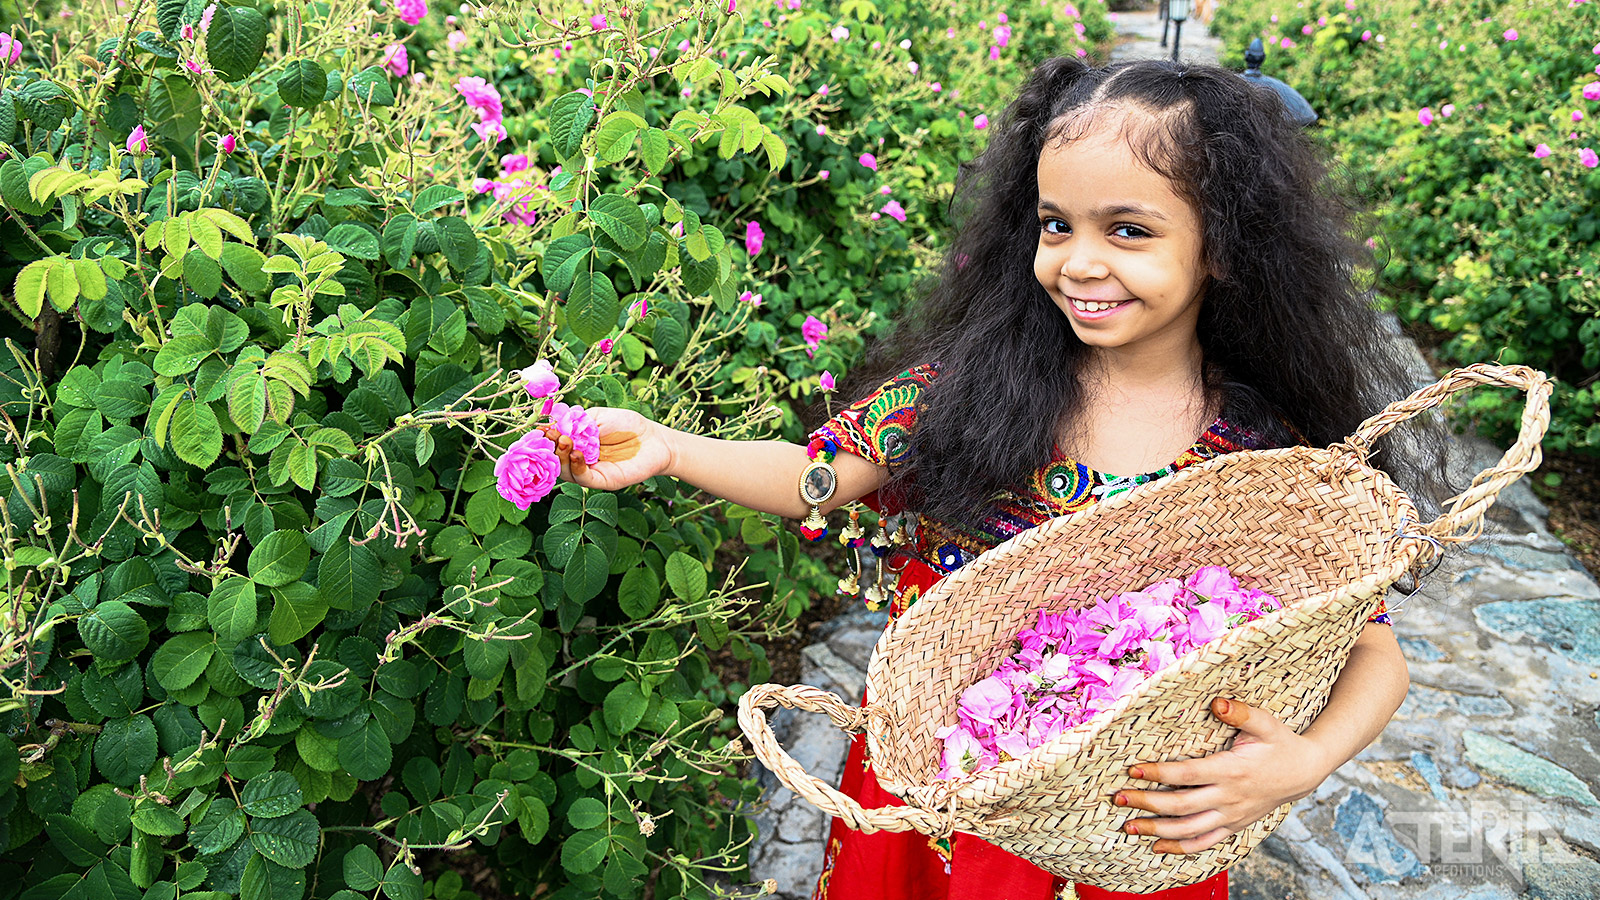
[
  {"x": 1192, "y": 845},
  {"x": 1167, "y": 803},
  {"x": 1183, "y": 827},
  {"x": 1205, "y": 770}
]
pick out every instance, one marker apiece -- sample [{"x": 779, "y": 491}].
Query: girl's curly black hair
[{"x": 1293, "y": 348}]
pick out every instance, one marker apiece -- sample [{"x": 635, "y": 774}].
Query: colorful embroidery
[
  {"x": 941, "y": 846},
  {"x": 830, "y": 857},
  {"x": 878, "y": 428}
]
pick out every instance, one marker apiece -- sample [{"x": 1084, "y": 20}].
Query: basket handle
[
  {"x": 1463, "y": 521},
  {"x": 848, "y": 718}
]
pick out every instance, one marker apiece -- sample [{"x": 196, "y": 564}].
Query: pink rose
[
  {"x": 528, "y": 470},
  {"x": 10, "y": 48},
  {"x": 894, "y": 210},
  {"x": 813, "y": 331},
  {"x": 1541, "y": 151},
  {"x": 985, "y": 701},
  {"x": 1210, "y": 581},
  {"x": 1425, "y": 116},
  {"x": 574, "y": 422},
  {"x": 870, "y": 161},
  {"x": 137, "y": 143},
  {"x": 826, "y": 382},
  {"x": 411, "y": 11},
  {"x": 981, "y": 122},
  {"x": 540, "y": 380},
  {"x": 1591, "y": 91},
  {"x": 396, "y": 60},
  {"x": 754, "y": 237}
]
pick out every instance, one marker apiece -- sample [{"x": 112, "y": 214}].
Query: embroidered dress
[{"x": 893, "y": 865}]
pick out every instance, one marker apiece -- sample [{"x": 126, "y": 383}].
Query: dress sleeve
[{"x": 877, "y": 427}]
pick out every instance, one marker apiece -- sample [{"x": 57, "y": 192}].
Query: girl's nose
[{"x": 1081, "y": 261}]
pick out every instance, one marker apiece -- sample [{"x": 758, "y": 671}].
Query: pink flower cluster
[
  {"x": 529, "y": 468},
  {"x": 411, "y": 11},
  {"x": 515, "y": 190},
  {"x": 485, "y": 98},
  {"x": 1071, "y": 665}
]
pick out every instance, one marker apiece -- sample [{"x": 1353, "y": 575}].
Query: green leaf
[
  {"x": 113, "y": 631},
  {"x": 586, "y": 813},
  {"x": 654, "y": 148},
  {"x": 687, "y": 577},
  {"x": 639, "y": 592},
  {"x": 624, "y": 708},
  {"x": 352, "y": 239},
  {"x": 180, "y": 661},
  {"x": 280, "y": 558},
  {"x": 195, "y": 432},
  {"x": 296, "y": 609},
  {"x": 457, "y": 240},
  {"x": 235, "y": 41},
  {"x": 30, "y": 283},
  {"x": 302, "y": 83},
  {"x": 400, "y": 240},
  {"x": 348, "y": 576},
  {"x": 182, "y": 354},
  {"x": 126, "y": 749},
  {"x": 76, "y": 841},
  {"x": 615, "y": 137},
  {"x": 363, "y": 871},
  {"x": 289, "y": 840},
  {"x": 586, "y": 573},
  {"x": 592, "y": 307},
  {"x": 244, "y": 265},
  {"x": 151, "y": 817},
  {"x": 366, "y": 754},
  {"x": 169, "y": 16},
  {"x": 270, "y": 795},
  {"x": 485, "y": 659},
  {"x": 621, "y": 219},
  {"x": 217, "y": 830},
  {"x": 114, "y": 694},
  {"x": 670, "y": 339},
  {"x": 231, "y": 609},
  {"x": 371, "y": 85},
  {"x": 570, "y": 116},
  {"x": 247, "y": 397},
  {"x": 173, "y": 108},
  {"x": 562, "y": 260},
  {"x": 434, "y": 196},
  {"x": 585, "y": 851},
  {"x": 400, "y": 883}
]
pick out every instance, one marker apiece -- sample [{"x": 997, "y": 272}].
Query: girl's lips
[{"x": 1091, "y": 316}]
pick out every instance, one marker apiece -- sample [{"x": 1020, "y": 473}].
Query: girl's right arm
[{"x": 761, "y": 475}]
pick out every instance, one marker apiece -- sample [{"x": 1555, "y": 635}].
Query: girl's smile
[{"x": 1119, "y": 250}]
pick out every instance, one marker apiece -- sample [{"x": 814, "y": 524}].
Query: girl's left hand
[{"x": 1219, "y": 795}]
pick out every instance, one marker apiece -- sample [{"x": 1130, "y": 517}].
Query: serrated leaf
[
  {"x": 113, "y": 631},
  {"x": 400, "y": 240},
  {"x": 271, "y": 794},
  {"x": 125, "y": 749},
  {"x": 458, "y": 241},
  {"x": 583, "y": 852},
  {"x": 231, "y": 609},
  {"x": 592, "y": 306},
  {"x": 639, "y": 592},
  {"x": 289, "y": 840},
  {"x": 30, "y": 285},
  {"x": 75, "y": 840},
  {"x": 348, "y": 576},
  {"x": 563, "y": 258},
  {"x": 371, "y": 85},
  {"x": 296, "y": 609},
  {"x": 434, "y": 196},
  {"x": 280, "y": 558},
  {"x": 247, "y": 398},
  {"x": 363, "y": 871},
  {"x": 354, "y": 240},
  {"x": 235, "y": 41},
  {"x": 570, "y": 116},
  {"x": 180, "y": 661},
  {"x": 624, "y": 708},
  {"x": 621, "y": 219},
  {"x": 586, "y": 813},
  {"x": 302, "y": 84},
  {"x": 687, "y": 577},
  {"x": 151, "y": 817},
  {"x": 195, "y": 433},
  {"x": 654, "y": 147},
  {"x": 219, "y": 828},
  {"x": 182, "y": 355},
  {"x": 366, "y": 754}
]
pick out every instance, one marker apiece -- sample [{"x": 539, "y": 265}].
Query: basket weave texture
[{"x": 1316, "y": 526}]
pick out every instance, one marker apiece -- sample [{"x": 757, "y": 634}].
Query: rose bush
[
  {"x": 1470, "y": 125},
  {"x": 273, "y": 279}
]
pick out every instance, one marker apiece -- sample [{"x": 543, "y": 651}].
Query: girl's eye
[
  {"x": 1130, "y": 231},
  {"x": 1054, "y": 226}
]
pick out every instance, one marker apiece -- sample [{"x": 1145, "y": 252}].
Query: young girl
[{"x": 1150, "y": 271}]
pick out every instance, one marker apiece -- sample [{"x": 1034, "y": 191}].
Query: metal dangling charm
[
  {"x": 853, "y": 535},
  {"x": 850, "y": 584}
]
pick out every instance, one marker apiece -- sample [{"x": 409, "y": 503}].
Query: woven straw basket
[{"x": 1318, "y": 527}]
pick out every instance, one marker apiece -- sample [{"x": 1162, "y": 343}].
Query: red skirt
[{"x": 907, "y": 865}]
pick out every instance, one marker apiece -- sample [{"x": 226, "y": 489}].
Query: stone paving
[{"x": 1483, "y": 787}]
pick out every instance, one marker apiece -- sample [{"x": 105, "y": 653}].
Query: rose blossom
[
  {"x": 813, "y": 330},
  {"x": 540, "y": 380},
  {"x": 528, "y": 470},
  {"x": 574, "y": 422}
]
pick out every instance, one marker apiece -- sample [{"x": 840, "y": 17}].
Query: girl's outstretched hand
[
  {"x": 1219, "y": 795},
  {"x": 632, "y": 448}
]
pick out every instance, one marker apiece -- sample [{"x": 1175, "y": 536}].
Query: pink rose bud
[
  {"x": 733, "y": 5},
  {"x": 1425, "y": 116},
  {"x": 228, "y": 143},
  {"x": 605, "y": 346},
  {"x": 981, "y": 122},
  {"x": 868, "y": 160},
  {"x": 1511, "y": 34},
  {"x": 826, "y": 381},
  {"x": 137, "y": 142},
  {"x": 1541, "y": 151}
]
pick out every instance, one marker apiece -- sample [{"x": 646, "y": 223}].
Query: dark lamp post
[
  {"x": 1166, "y": 22},
  {"x": 1178, "y": 11}
]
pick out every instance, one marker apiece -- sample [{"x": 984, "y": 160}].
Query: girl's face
[{"x": 1119, "y": 250}]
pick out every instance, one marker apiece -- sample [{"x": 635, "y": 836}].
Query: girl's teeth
[{"x": 1092, "y": 306}]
